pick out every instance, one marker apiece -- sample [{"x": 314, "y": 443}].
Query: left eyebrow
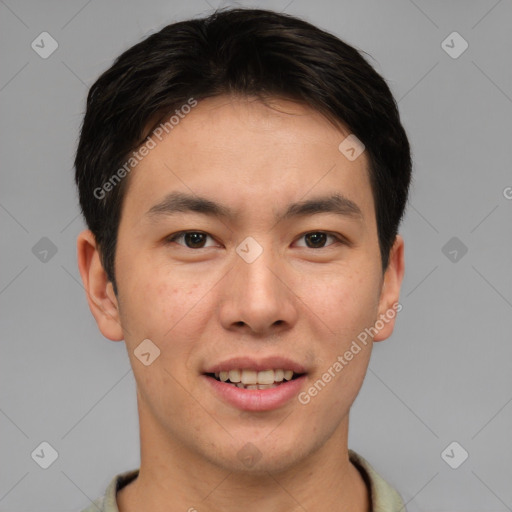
[
  {"x": 335, "y": 203},
  {"x": 182, "y": 202}
]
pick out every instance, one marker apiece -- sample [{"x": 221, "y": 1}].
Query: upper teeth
[{"x": 255, "y": 377}]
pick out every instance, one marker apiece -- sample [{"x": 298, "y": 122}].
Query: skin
[{"x": 205, "y": 305}]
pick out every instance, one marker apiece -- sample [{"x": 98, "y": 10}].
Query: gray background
[{"x": 444, "y": 376}]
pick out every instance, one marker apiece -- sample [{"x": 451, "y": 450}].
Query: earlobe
[
  {"x": 100, "y": 295},
  {"x": 389, "y": 305}
]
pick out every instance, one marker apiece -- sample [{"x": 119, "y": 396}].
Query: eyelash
[{"x": 176, "y": 236}]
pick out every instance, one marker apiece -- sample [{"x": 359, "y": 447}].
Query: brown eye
[
  {"x": 319, "y": 240},
  {"x": 190, "y": 239},
  {"x": 315, "y": 240},
  {"x": 194, "y": 240}
]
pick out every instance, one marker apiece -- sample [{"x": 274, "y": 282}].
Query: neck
[{"x": 172, "y": 477}]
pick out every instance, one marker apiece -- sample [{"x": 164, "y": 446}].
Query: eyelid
[
  {"x": 339, "y": 238},
  {"x": 178, "y": 234}
]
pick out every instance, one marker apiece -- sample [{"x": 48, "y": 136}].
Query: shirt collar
[{"x": 383, "y": 497}]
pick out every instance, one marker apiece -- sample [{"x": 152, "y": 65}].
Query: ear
[
  {"x": 100, "y": 292},
  {"x": 389, "y": 304}
]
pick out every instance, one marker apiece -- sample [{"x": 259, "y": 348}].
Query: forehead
[{"x": 244, "y": 152}]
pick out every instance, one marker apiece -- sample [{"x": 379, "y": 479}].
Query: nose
[{"x": 258, "y": 298}]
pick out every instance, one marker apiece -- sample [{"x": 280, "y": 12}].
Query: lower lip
[{"x": 257, "y": 399}]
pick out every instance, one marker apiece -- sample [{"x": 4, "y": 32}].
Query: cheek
[
  {"x": 174, "y": 314},
  {"x": 344, "y": 302},
  {"x": 158, "y": 300},
  {"x": 347, "y": 307},
  {"x": 166, "y": 312}
]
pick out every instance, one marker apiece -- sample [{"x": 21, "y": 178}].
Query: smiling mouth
[{"x": 252, "y": 379}]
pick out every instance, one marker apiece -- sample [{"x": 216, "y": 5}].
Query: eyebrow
[{"x": 176, "y": 202}]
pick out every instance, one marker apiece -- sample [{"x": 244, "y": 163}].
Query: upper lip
[{"x": 258, "y": 364}]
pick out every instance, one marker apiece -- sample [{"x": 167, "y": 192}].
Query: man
[{"x": 243, "y": 177}]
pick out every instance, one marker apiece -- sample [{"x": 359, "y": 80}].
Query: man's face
[{"x": 251, "y": 289}]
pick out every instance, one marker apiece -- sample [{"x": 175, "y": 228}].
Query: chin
[{"x": 262, "y": 456}]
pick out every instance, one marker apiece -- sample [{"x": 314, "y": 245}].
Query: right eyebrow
[{"x": 180, "y": 202}]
